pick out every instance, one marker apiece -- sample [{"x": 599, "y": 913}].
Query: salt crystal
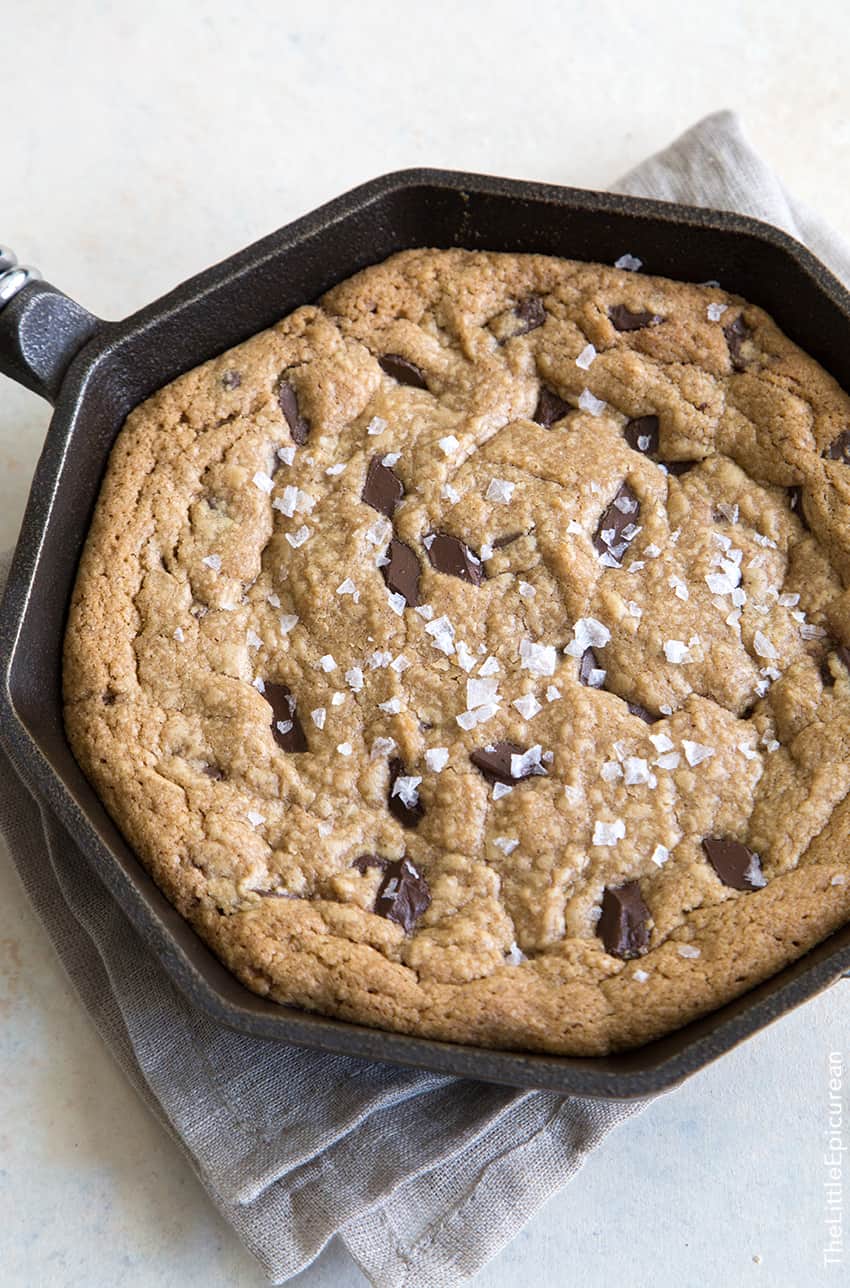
[
  {"x": 696, "y": 752},
  {"x": 334, "y": 470},
  {"x": 660, "y": 855},
  {"x": 537, "y": 658},
  {"x": 715, "y": 311},
  {"x": 640, "y": 975},
  {"x": 507, "y": 844},
  {"x": 346, "y": 587},
  {"x": 748, "y": 752},
  {"x": 465, "y": 658},
  {"x": 652, "y": 551},
  {"x": 500, "y": 490},
  {"x": 397, "y": 603},
  {"x": 839, "y": 879},
  {"x": 344, "y": 748},
  {"x": 376, "y": 425},
  {"x": 552, "y": 694},
  {"x": 527, "y": 706},
  {"x": 812, "y": 632},
  {"x": 317, "y": 715},
  {"x": 286, "y": 454},
  {"x": 678, "y": 587},
  {"x": 788, "y": 601},
  {"x": 327, "y": 662},
  {"x": 391, "y": 459},
  {"x": 585, "y": 358},
  {"x": 573, "y": 794},
  {"x": 575, "y": 528},
  {"x": 636, "y": 771},
  {"x": 450, "y": 493},
  {"x": 178, "y": 634},
  {"x": 610, "y": 771},
  {"x": 479, "y": 692},
  {"x": 212, "y": 561},
  {"x": 633, "y": 609},
  {"x": 399, "y": 664},
  {"x": 587, "y": 402},
  {"x": 425, "y": 611},
  {"x": 283, "y": 726},
  {"x": 263, "y": 481},
  {"x": 688, "y": 950},
  {"x": 527, "y": 590},
  {"x": 254, "y": 818},
  {"x": 259, "y": 685},
  {"x": 487, "y": 550},
  {"x": 500, "y": 790},
  {"x": 354, "y": 679},
  {"x": 392, "y": 706},
  {"x": 405, "y": 787},
  {"x": 676, "y": 651},
  {"x": 287, "y": 501},
  {"x": 763, "y": 646},
  {"x": 608, "y": 833},
  {"x": 288, "y": 621},
  {"x": 337, "y": 699},
  {"x": 489, "y": 667},
  {"x": 524, "y": 764},
  {"x": 298, "y": 538},
  {"x": 382, "y": 747},
  {"x": 670, "y": 760},
  {"x": 436, "y": 758},
  {"x": 253, "y": 639},
  {"x": 379, "y": 659},
  {"x": 449, "y": 444},
  {"x": 588, "y": 633},
  {"x": 661, "y": 742},
  {"x": 630, "y": 263},
  {"x": 274, "y": 600},
  {"x": 380, "y": 532},
  {"x": 515, "y": 956}
]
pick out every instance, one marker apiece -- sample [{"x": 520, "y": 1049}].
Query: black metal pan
[{"x": 95, "y": 372}]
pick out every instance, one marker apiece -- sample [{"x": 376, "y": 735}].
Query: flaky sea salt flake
[
  {"x": 590, "y": 403},
  {"x": 585, "y": 358},
  {"x": 436, "y": 758},
  {"x": 629, "y": 263},
  {"x": 608, "y": 833}
]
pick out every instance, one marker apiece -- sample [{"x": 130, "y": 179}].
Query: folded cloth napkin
[{"x": 423, "y": 1177}]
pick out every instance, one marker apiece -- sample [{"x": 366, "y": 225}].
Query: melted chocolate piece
[
  {"x": 494, "y": 762},
  {"x": 450, "y": 555},
  {"x": 736, "y": 333},
  {"x": 403, "y": 895},
  {"x": 622, "y": 318},
  {"x": 550, "y": 408},
  {"x": 623, "y": 926},
  {"x": 736, "y": 865},
  {"x": 839, "y": 449},
  {"x": 403, "y": 370},
  {"x": 407, "y": 815},
  {"x": 589, "y": 662},
  {"x": 365, "y": 861},
  {"x": 531, "y": 314},
  {"x": 679, "y": 467},
  {"x": 642, "y": 434},
  {"x": 623, "y": 510},
  {"x": 498, "y": 543},
  {"x": 291, "y": 736},
  {"x": 795, "y": 501},
  {"x": 383, "y": 488},
  {"x": 636, "y": 709},
  {"x": 299, "y": 428},
  {"x": 402, "y": 572},
  {"x": 231, "y": 379},
  {"x": 213, "y": 772}
]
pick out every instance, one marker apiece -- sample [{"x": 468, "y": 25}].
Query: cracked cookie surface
[{"x": 468, "y": 655}]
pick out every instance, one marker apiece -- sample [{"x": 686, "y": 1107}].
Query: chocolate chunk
[
  {"x": 615, "y": 527},
  {"x": 402, "y": 572},
  {"x": 735, "y": 864},
  {"x": 299, "y": 428},
  {"x": 365, "y": 861},
  {"x": 839, "y": 448},
  {"x": 588, "y": 664},
  {"x": 231, "y": 379},
  {"x": 736, "y": 333},
  {"x": 622, "y": 318},
  {"x": 409, "y": 815},
  {"x": 642, "y": 435},
  {"x": 550, "y": 408},
  {"x": 286, "y": 727},
  {"x": 679, "y": 467},
  {"x": 383, "y": 488},
  {"x": 449, "y": 555},
  {"x": 531, "y": 314},
  {"x": 494, "y": 762},
  {"x": 403, "y": 370},
  {"x": 498, "y": 543},
  {"x": 623, "y": 926},
  {"x": 636, "y": 709},
  {"x": 403, "y": 895},
  {"x": 212, "y": 771}
]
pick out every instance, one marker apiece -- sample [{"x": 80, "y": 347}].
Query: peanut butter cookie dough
[{"x": 468, "y": 655}]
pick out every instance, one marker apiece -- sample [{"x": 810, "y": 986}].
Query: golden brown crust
[{"x": 188, "y": 588}]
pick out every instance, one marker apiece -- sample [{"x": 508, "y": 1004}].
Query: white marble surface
[{"x": 146, "y": 141}]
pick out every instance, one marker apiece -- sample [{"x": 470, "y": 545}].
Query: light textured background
[{"x": 141, "y": 143}]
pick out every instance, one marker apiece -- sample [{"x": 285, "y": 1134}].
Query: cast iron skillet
[{"x": 95, "y": 372}]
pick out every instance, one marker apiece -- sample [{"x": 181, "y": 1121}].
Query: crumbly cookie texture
[{"x": 468, "y": 655}]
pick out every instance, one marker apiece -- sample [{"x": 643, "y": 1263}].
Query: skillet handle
[{"x": 41, "y": 329}]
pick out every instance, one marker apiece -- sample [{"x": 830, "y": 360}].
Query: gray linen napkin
[{"x": 423, "y": 1177}]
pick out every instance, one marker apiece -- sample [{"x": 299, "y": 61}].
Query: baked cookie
[{"x": 467, "y": 655}]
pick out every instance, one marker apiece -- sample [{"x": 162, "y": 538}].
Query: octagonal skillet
[{"x": 94, "y": 372}]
